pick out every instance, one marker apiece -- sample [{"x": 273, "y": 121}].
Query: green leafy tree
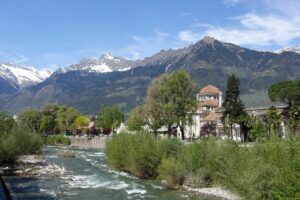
[
  {"x": 258, "y": 129},
  {"x": 234, "y": 107},
  {"x": 66, "y": 117},
  {"x": 110, "y": 118},
  {"x": 287, "y": 92},
  {"x": 274, "y": 120},
  {"x": 49, "y": 114},
  {"x": 178, "y": 96},
  {"x": 136, "y": 119},
  {"x": 153, "y": 107},
  {"x": 6, "y": 123},
  {"x": 294, "y": 119},
  {"x": 32, "y": 118},
  {"x": 169, "y": 100},
  {"x": 81, "y": 121}
]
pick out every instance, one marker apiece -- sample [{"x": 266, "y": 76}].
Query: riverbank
[
  {"x": 85, "y": 142},
  {"x": 214, "y": 191},
  {"x": 88, "y": 176},
  {"x": 267, "y": 170}
]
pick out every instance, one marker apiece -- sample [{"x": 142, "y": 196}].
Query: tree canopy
[
  {"x": 110, "y": 117},
  {"x": 136, "y": 119},
  {"x": 234, "y": 112},
  {"x": 169, "y": 100},
  {"x": 31, "y": 118},
  {"x": 287, "y": 92}
]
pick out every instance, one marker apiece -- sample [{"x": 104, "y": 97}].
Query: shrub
[
  {"x": 118, "y": 151},
  {"x": 146, "y": 155},
  {"x": 57, "y": 140},
  {"x": 138, "y": 154},
  {"x": 171, "y": 148},
  {"x": 268, "y": 170},
  {"x": 171, "y": 172},
  {"x": 18, "y": 142}
]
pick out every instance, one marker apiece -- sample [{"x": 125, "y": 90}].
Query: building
[{"x": 209, "y": 101}]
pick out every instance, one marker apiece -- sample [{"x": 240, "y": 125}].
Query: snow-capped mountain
[
  {"x": 104, "y": 64},
  {"x": 295, "y": 49},
  {"x": 20, "y": 76}
]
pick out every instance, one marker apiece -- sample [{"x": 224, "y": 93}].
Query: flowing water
[{"x": 88, "y": 176}]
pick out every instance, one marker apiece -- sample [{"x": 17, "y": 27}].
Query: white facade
[{"x": 209, "y": 100}]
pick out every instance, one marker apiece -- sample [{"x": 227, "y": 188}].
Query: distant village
[{"x": 207, "y": 114}]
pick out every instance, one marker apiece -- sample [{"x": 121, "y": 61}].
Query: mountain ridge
[{"x": 208, "y": 61}]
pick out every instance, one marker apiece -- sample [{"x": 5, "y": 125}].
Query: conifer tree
[{"x": 234, "y": 112}]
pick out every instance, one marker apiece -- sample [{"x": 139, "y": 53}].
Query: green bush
[
  {"x": 269, "y": 170},
  {"x": 171, "y": 172},
  {"x": 18, "y": 142},
  {"x": 273, "y": 171},
  {"x": 146, "y": 155},
  {"x": 57, "y": 140},
  {"x": 118, "y": 151},
  {"x": 171, "y": 147},
  {"x": 138, "y": 154}
]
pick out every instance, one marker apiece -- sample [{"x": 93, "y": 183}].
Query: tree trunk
[
  {"x": 169, "y": 130},
  {"x": 231, "y": 131},
  {"x": 182, "y": 131}
]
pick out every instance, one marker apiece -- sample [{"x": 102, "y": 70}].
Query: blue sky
[{"x": 54, "y": 33}]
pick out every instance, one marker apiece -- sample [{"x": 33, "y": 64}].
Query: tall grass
[{"x": 269, "y": 170}]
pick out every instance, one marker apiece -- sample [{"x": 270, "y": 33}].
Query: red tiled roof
[
  {"x": 212, "y": 116},
  {"x": 209, "y": 89}
]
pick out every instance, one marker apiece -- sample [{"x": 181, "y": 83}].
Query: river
[{"x": 88, "y": 176}]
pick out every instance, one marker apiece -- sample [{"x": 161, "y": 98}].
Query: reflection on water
[{"x": 89, "y": 177}]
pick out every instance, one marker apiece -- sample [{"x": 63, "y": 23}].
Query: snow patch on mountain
[
  {"x": 295, "y": 49},
  {"x": 22, "y": 76},
  {"x": 104, "y": 64}
]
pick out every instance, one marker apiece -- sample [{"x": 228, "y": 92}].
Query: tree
[
  {"x": 66, "y": 116},
  {"x": 274, "y": 119},
  {"x": 258, "y": 129},
  {"x": 153, "y": 107},
  {"x": 81, "y": 121},
  {"x": 294, "y": 119},
  {"x": 136, "y": 119},
  {"x": 178, "y": 98},
  {"x": 287, "y": 92},
  {"x": 234, "y": 107},
  {"x": 32, "y": 118},
  {"x": 7, "y": 123},
  {"x": 110, "y": 118},
  {"x": 169, "y": 100},
  {"x": 49, "y": 114}
]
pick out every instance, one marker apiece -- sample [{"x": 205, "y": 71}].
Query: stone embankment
[{"x": 95, "y": 142}]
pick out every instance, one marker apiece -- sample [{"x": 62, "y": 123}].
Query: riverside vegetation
[
  {"x": 266, "y": 170},
  {"x": 16, "y": 140}
]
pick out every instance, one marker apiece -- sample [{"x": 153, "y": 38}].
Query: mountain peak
[
  {"x": 208, "y": 40},
  {"x": 108, "y": 56},
  {"x": 21, "y": 75}
]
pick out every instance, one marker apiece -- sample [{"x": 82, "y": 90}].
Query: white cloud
[
  {"x": 148, "y": 45},
  {"x": 276, "y": 26},
  {"x": 189, "y": 36}
]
